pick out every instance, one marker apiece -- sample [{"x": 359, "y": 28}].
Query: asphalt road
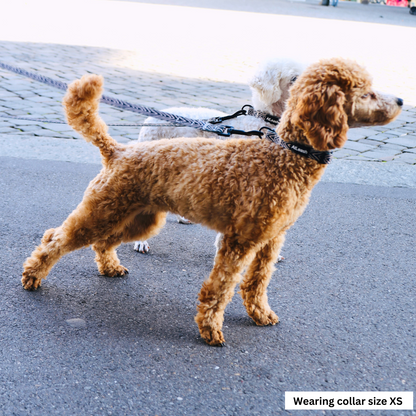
[{"x": 345, "y": 295}]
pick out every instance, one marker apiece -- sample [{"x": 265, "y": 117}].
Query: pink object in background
[{"x": 397, "y": 3}]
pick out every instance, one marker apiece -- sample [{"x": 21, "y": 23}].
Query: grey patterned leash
[
  {"x": 43, "y": 120},
  {"x": 269, "y": 118},
  {"x": 221, "y": 130}
]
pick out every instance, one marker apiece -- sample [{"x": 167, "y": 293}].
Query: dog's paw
[
  {"x": 213, "y": 337},
  {"x": 30, "y": 282},
  {"x": 183, "y": 220},
  {"x": 142, "y": 247},
  {"x": 117, "y": 271},
  {"x": 262, "y": 317}
]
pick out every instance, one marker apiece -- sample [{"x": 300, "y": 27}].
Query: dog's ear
[{"x": 320, "y": 113}]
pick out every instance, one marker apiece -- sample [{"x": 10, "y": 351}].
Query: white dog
[{"x": 269, "y": 85}]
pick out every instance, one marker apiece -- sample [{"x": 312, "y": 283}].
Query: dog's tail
[{"x": 81, "y": 107}]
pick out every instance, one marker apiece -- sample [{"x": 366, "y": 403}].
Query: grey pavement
[{"x": 84, "y": 344}]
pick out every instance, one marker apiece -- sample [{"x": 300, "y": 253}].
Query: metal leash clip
[
  {"x": 217, "y": 120},
  {"x": 229, "y": 130}
]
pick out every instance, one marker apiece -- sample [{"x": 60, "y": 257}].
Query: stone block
[
  {"x": 358, "y": 147},
  {"x": 407, "y": 141}
]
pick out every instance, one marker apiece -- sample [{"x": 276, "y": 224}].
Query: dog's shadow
[{"x": 129, "y": 308}]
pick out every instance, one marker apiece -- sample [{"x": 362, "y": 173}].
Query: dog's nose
[{"x": 399, "y": 101}]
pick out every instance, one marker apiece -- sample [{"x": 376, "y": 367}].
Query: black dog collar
[{"x": 322, "y": 157}]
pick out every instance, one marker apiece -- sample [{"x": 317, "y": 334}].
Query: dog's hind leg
[
  {"x": 142, "y": 225},
  {"x": 42, "y": 259},
  {"x": 87, "y": 224},
  {"x": 73, "y": 234},
  {"x": 218, "y": 289},
  {"x": 257, "y": 278}
]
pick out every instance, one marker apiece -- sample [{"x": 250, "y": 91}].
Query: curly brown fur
[{"x": 251, "y": 191}]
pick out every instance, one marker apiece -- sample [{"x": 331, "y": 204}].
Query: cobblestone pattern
[{"x": 23, "y": 97}]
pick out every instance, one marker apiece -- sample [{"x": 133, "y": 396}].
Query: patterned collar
[{"x": 322, "y": 157}]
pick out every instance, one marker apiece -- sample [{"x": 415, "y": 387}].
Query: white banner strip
[{"x": 348, "y": 400}]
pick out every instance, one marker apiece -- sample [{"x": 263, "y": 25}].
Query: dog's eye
[
  {"x": 293, "y": 79},
  {"x": 365, "y": 95}
]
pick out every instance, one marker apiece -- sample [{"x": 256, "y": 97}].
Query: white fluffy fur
[{"x": 270, "y": 89}]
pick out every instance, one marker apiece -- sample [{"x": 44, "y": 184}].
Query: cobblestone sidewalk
[{"x": 21, "y": 97}]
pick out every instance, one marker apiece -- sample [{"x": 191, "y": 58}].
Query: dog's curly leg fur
[
  {"x": 55, "y": 244},
  {"x": 106, "y": 257},
  {"x": 218, "y": 289},
  {"x": 39, "y": 264},
  {"x": 256, "y": 279}
]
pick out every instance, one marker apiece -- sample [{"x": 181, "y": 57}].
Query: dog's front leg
[
  {"x": 218, "y": 290},
  {"x": 257, "y": 278}
]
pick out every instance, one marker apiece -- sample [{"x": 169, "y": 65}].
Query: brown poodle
[{"x": 251, "y": 191}]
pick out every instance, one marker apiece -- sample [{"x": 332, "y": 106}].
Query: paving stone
[
  {"x": 407, "y": 158},
  {"x": 19, "y": 123},
  {"x": 17, "y": 132},
  {"x": 131, "y": 136},
  {"x": 122, "y": 139},
  {"x": 409, "y": 128},
  {"x": 59, "y": 127},
  {"x": 378, "y": 128},
  {"x": 17, "y": 113},
  {"x": 394, "y": 124},
  {"x": 359, "y": 147},
  {"x": 29, "y": 129},
  {"x": 342, "y": 153},
  {"x": 381, "y": 137},
  {"x": 369, "y": 142},
  {"x": 50, "y": 133},
  {"x": 397, "y": 132},
  {"x": 407, "y": 141},
  {"x": 409, "y": 118},
  {"x": 390, "y": 146},
  {"x": 359, "y": 157},
  {"x": 381, "y": 154}
]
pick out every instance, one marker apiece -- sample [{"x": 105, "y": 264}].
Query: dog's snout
[{"x": 399, "y": 102}]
